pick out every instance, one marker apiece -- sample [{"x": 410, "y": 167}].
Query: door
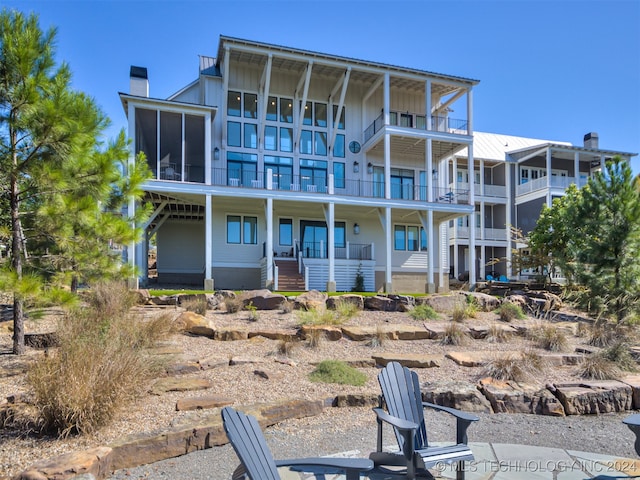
[{"x": 314, "y": 239}]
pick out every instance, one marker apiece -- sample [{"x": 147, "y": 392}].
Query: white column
[
  {"x": 131, "y": 206},
  {"x": 431, "y": 251},
  {"x": 472, "y": 224},
  {"x": 470, "y": 112},
  {"x": 481, "y": 173},
  {"x": 388, "y": 278},
  {"x": 208, "y": 243},
  {"x": 455, "y": 220},
  {"x": 387, "y": 138},
  {"x": 427, "y": 103},
  {"x": 429, "y": 169},
  {"x": 207, "y": 149},
  {"x": 331, "y": 284},
  {"x": 576, "y": 168},
  {"x": 269, "y": 241},
  {"x": 548, "y": 168},
  {"x": 507, "y": 221}
]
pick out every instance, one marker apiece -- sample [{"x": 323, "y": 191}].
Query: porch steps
[{"x": 289, "y": 279}]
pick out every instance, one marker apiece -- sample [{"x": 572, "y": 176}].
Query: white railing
[
  {"x": 489, "y": 233},
  {"x": 556, "y": 182},
  {"x": 489, "y": 190}
]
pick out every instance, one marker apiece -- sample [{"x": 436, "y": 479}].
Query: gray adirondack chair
[
  {"x": 403, "y": 399},
  {"x": 249, "y": 443}
]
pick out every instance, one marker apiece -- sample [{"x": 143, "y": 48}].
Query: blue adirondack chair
[
  {"x": 405, "y": 412},
  {"x": 249, "y": 443}
]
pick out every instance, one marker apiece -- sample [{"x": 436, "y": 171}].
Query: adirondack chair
[
  {"x": 249, "y": 443},
  {"x": 403, "y": 399}
]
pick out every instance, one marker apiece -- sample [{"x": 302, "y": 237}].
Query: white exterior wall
[{"x": 186, "y": 238}]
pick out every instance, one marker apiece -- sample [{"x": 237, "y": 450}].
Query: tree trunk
[{"x": 16, "y": 251}]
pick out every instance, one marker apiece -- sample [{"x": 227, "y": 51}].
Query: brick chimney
[
  {"x": 139, "y": 82},
  {"x": 591, "y": 140}
]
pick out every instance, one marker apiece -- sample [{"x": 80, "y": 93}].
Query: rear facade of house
[{"x": 289, "y": 169}]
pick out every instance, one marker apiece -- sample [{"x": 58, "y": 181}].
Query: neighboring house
[
  {"x": 513, "y": 177},
  {"x": 289, "y": 169}
]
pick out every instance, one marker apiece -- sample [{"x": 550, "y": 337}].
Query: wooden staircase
[{"x": 289, "y": 280}]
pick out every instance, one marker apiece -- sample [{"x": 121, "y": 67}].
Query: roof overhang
[{"x": 167, "y": 105}]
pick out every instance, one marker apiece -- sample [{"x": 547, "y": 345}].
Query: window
[
  {"x": 421, "y": 122},
  {"x": 272, "y": 109},
  {"x": 406, "y": 120},
  {"x": 233, "y": 104},
  {"x": 270, "y": 138},
  {"x": 286, "y": 139},
  {"x": 338, "y": 149},
  {"x": 306, "y": 142},
  {"x": 341, "y": 120},
  {"x": 194, "y": 148},
  {"x": 399, "y": 237},
  {"x": 247, "y": 235},
  {"x": 401, "y": 184},
  {"x": 308, "y": 114},
  {"x": 233, "y": 229},
  {"x": 313, "y": 175},
  {"x": 412, "y": 239},
  {"x": 233, "y": 134},
  {"x": 286, "y": 110},
  {"x": 409, "y": 237},
  {"x": 286, "y": 231},
  {"x": 250, "y": 230},
  {"x": 241, "y": 168},
  {"x": 250, "y": 135},
  {"x": 250, "y": 105},
  {"x": 147, "y": 136},
  {"x": 339, "y": 234},
  {"x": 281, "y": 171},
  {"x": 170, "y": 145},
  {"x": 320, "y": 114},
  {"x": 338, "y": 174},
  {"x": 321, "y": 143}
]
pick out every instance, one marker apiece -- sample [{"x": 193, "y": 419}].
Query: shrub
[
  {"x": 197, "y": 305},
  {"x": 601, "y": 334},
  {"x": 285, "y": 347},
  {"x": 314, "y": 337},
  {"x": 454, "y": 334},
  {"x": 510, "y": 311},
  {"x": 378, "y": 339},
  {"x": 320, "y": 316},
  {"x": 515, "y": 368},
  {"x": 423, "y": 312},
  {"x": 496, "y": 334},
  {"x": 619, "y": 354},
  {"x": 335, "y": 371},
  {"x": 549, "y": 337},
  {"x": 111, "y": 298},
  {"x": 233, "y": 304},
  {"x": 598, "y": 367},
  {"x": 346, "y": 310},
  {"x": 100, "y": 365},
  {"x": 253, "y": 312}
]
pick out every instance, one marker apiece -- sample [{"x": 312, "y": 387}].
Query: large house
[{"x": 289, "y": 169}]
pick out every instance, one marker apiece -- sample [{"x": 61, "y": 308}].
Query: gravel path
[{"x": 340, "y": 430}]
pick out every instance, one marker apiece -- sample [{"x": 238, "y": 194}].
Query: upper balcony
[
  {"x": 319, "y": 184},
  {"x": 559, "y": 182},
  {"x": 417, "y": 121},
  {"x": 496, "y": 191}
]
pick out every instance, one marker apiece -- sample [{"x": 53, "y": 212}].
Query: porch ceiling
[
  {"x": 415, "y": 148},
  {"x": 335, "y": 69},
  {"x": 177, "y": 207}
]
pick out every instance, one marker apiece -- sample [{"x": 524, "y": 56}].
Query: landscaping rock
[
  {"x": 461, "y": 395},
  {"x": 593, "y": 397},
  {"x": 283, "y": 335},
  {"x": 264, "y": 299},
  {"x": 183, "y": 368},
  {"x": 440, "y": 303},
  {"x": 329, "y": 332},
  {"x": 184, "y": 298},
  {"x": 244, "y": 360},
  {"x": 202, "y": 403},
  {"x": 165, "y": 300},
  {"x": 520, "y": 300},
  {"x": 230, "y": 334},
  {"x": 468, "y": 359},
  {"x": 409, "y": 360},
  {"x": 411, "y": 332},
  {"x": 507, "y": 396},
  {"x": 403, "y": 303},
  {"x": 363, "y": 333},
  {"x": 485, "y": 302},
  {"x": 95, "y": 461},
  {"x": 195, "y": 324},
  {"x": 142, "y": 296},
  {"x": 380, "y": 304},
  {"x": 213, "y": 362},
  {"x": 356, "y": 300},
  {"x": 311, "y": 300},
  {"x": 357, "y": 400},
  {"x": 482, "y": 331},
  {"x": 178, "y": 384},
  {"x": 546, "y": 403},
  {"x": 267, "y": 374},
  {"x": 634, "y": 382}
]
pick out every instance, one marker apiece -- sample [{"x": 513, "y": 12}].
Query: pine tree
[{"x": 63, "y": 189}]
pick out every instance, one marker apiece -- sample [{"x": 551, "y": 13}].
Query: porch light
[
  {"x": 216, "y": 153},
  {"x": 369, "y": 167},
  {"x": 356, "y": 167},
  {"x": 356, "y": 229}
]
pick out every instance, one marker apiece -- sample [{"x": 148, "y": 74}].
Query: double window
[
  {"x": 242, "y": 230},
  {"x": 409, "y": 238}
]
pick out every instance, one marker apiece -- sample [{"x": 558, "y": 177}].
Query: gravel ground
[{"x": 354, "y": 429}]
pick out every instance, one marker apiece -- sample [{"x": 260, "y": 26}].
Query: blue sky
[{"x": 547, "y": 69}]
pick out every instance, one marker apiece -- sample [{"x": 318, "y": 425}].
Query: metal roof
[{"x": 494, "y": 146}]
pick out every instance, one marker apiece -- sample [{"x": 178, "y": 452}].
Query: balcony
[
  {"x": 320, "y": 185},
  {"x": 496, "y": 191},
  {"x": 418, "y": 122},
  {"x": 541, "y": 184},
  {"x": 489, "y": 233}
]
